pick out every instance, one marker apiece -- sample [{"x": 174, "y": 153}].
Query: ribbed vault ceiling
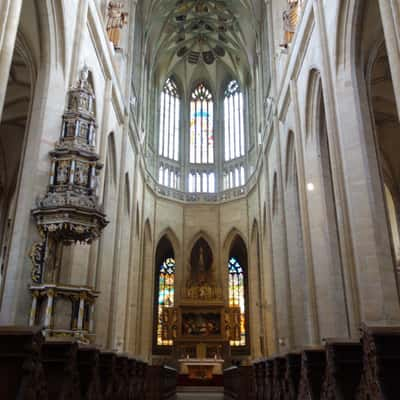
[{"x": 201, "y": 32}]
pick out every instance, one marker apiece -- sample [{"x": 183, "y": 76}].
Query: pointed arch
[
  {"x": 170, "y": 117},
  {"x": 274, "y": 199},
  {"x": 205, "y": 236},
  {"x": 348, "y": 26},
  {"x": 290, "y": 166},
  {"x": 201, "y": 140},
  {"x": 201, "y": 248},
  {"x": 255, "y": 296},
  {"x": 254, "y": 229},
  {"x": 234, "y": 232},
  {"x": 265, "y": 219},
  {"x": 111, "y": 158},
  {"x": 147, "y": 231},
  {"x": 314, "y": 92},
  {"x": 237, "y": 272},
  {"x": 233, "y": 121},
  {"x": 127, "y": 196},
  {"x": 92, "y": 83},
  {"x": 164, "y": 295},
  {"x": 137, "y": 222},
  {"x": 170, "y": 234}
]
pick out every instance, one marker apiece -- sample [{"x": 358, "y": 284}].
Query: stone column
[
  {"x": 91, "y": 321},
  {"x": 10, "y": 11},
  {"x": 81, "y": 312},
  {"x": 49, "y": 309},
  {"x": 33, "y": 308}
]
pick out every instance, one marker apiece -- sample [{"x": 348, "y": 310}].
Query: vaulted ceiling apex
[{"x": 201, "y": 32}]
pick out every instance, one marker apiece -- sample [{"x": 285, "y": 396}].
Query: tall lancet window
[
  {"x": 201, "y": 126},
  {"x": 169, "y": 121},
  {"x": 233, "y": 121},
  {"x": 166, "y": 295},
  {"x": 237, "y": 302}
]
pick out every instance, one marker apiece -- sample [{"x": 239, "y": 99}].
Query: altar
[
  {"x": 200, "y": 326},
  {"x": 203, "y": 369}
]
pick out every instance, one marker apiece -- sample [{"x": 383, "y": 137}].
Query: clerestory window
[
  {"x": 198, "y": 169},
  {"x": 169, "y": 121},
  {"x": 233, "y": 122},
  {"x": 201, "y": 126}
]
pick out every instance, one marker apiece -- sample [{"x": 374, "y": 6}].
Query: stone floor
[{"x": 200, "y": 396}]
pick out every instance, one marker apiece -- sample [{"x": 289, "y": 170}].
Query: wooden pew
[
  {"x": 61, "y": 370},
  {"x": 313, "y": 364},
  {"x": 343, "y": 370},
  {"x": 268, "y": 379},
  {"x": 279, "y": 366},
  {"x": 259, "y": 377},
  {"x": 21, "y": 370},
  {"x": 132, "y": 379},
  {"x": 381, "y": 363},
  {"x": 291, "y": 379},
  {"x": 122, "y": 377},
  {"x": 89, "y": 373},
  {"x": 108, "y": 375},
  {"x": 239, "y": 383},
  {"x": 142, "y": 373},
  {"x": 160, "y": 382}
]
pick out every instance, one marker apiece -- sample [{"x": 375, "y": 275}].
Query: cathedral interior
[{"x": 199, "y": 198}]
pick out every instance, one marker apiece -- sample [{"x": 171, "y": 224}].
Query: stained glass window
[
  {"x": 169, "y": 121},
  {"x": 166, "y": 291},
  {"x": 237, "y": 298},
  {"x": 233, "y": 122},
  {"x": 201, "y": 126}
]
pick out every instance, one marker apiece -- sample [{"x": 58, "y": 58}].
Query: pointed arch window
[
  {"x": 166, "y": 298},
  {"x": 201, "y": 126},
  {"x": 233, "y": 121},
  {"x": 169, "y": 121},
  {"x": 237, "y": 301}
]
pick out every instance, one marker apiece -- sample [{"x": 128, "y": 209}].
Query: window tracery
[
  {"x": 201, "y": 182},
  {"x": 201, "y": 126},
  {"x": 234, "y": 177},
  {"x": 233, "y": 121},
  {"x": 199, "y": 171},
  {"x": 237, "y": 299},
  {"x": 166, "y": 297},
  {"x": 169, "y": 121},
  {"x": 169, "y": 176}
]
